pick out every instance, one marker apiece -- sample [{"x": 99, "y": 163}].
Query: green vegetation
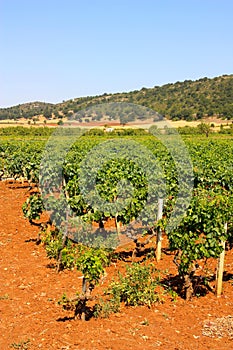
[
  {"x": 27, "y": 110},
  {"x": 197, "y": 236},
  {"x": 23, "y": 345},
  {"x": 188, "y": 100},
  {"x": 22, "y": 132},
  {"x": 137, "y": 287},
  {"x": 91, "y": 264},
  {"x": 140, "y": 285}
]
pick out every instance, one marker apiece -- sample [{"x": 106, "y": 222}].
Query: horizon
[
  {"x": 55, "y": 51},
  {"x": 108, "y": 93}
]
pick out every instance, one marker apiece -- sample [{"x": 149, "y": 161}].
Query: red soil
[{"x": 30, "y": 289}]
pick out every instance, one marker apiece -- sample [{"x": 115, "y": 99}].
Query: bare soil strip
[{"x": 31, "y": 319}]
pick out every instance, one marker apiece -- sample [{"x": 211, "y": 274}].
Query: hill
[{"x": 188, "y": 100}]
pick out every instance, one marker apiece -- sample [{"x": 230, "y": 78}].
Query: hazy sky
[{"x": 53, "y": 50}]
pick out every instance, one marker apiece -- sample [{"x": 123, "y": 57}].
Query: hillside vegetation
[{"x": 188, "y": 100}]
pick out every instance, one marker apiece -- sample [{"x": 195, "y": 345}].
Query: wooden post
[
  {"x": 159, "y": 234},
  {"x": 118, "y": 227},
  {"x": 64, "y": 242},
  {"x": 220, "y": 267},
  {"x": 84, "y": 292}
]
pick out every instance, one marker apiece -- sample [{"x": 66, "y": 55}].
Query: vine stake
[
  {"x": 220, "y": 267},
  {"x": 159, "y": 235}
]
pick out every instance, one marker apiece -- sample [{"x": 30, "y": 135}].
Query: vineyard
[{"x": 128, "y": 201}]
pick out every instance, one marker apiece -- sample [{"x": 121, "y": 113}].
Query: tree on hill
[
  {"x": 204, "y": 129},
  {"x": 186, "y": 100}
]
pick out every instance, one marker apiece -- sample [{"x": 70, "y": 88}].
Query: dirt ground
[{"x": 30, "y": 317}]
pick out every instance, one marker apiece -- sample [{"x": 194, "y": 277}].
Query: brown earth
[{"x": 30, "y": 288}]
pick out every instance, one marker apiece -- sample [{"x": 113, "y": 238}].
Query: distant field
[{"x": 116, "y": 123}]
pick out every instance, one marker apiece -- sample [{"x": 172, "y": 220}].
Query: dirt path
[{"x": 31, "y": 319}]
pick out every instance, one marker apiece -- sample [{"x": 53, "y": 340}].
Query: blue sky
[{"x": 53, "y": 50}]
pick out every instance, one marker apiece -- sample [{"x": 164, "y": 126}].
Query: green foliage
[
  {"x": 52, "y": 240},
  {"x": 26, "y": 110},
  {"x": 188, "y": 130},
  {"x": 198, "y": 235},
  {"x": 23, "y": 345},
  {"x": 104, "y": 308},
  {"x": 33, "y": 207},
  {"x": 204, "y": 128},
  {"x": 201, "y": 231},
  {"x": 21, "y": 160},
  {"x": 92, "y": 264},
  {"x": 137, "y": 287},
  {"x": 187, "y": 100},
  {"x": 119, "y": 181},
  {"x": 89, "y": 261},
  {"x": 67, "y": 303},
  {"x": 21, "y": 131}
]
